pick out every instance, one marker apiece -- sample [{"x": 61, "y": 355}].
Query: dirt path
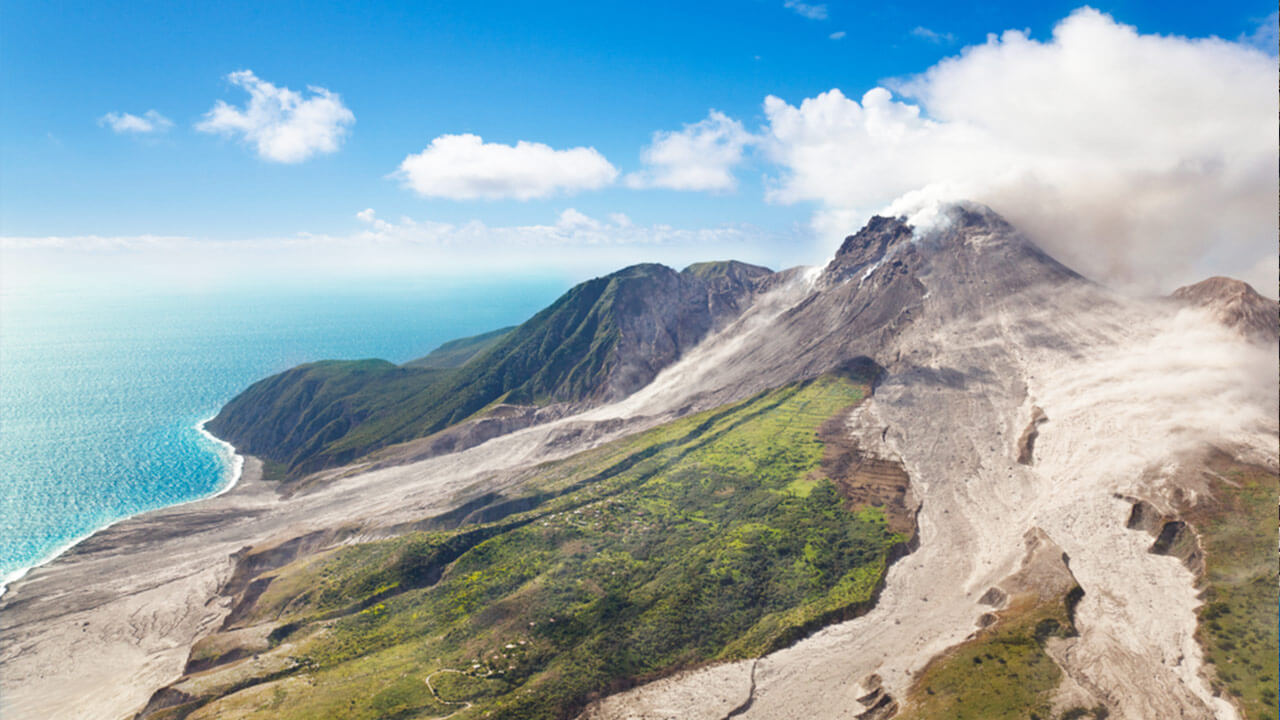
[{"x": 465, "y": 705}]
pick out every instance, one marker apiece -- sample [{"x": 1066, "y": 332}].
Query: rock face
[{"x": 1235, "y": 304}]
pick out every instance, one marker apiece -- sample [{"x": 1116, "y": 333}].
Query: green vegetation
[
  {"x": 1002, "y": 674},
  {"x": 680, "y": 546},
  {"x": 1237, "y": 529},
  {"x": 329, "y": 413}
]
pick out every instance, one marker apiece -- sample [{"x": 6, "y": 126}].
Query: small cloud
[
  {"x": 933, "y": 36},
  {"x": 145, "y": 124},
  {"x": 281, "y": 124},
  {"x": 813, "y": 12},
  {"x": 1265, "y": 35},
  {"x": 837, "y": 35},
  {"x": 699, "y": 157},
  {"x": 369, "y": 217},
  {"x": 571, "y": 220},
  {"x": 465, "y": 167}
]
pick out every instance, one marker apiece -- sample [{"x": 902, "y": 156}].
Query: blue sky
[{"x": 604, "y": 76}]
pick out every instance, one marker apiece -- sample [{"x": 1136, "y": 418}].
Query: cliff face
[{"x": 601, "y": 341}]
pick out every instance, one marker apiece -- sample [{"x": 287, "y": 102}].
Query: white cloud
[
  {"x": 837, "y": 35},
  {"x": 699, "y": 157},
  {"x": 145, "y": 124},
  {"x": 933, "y": 36},
  {"x": 1266, "y": 35},
  {"x": 281, "y": 124},
  {"x": 571, "y": 220},
  {"x": 1138, "y": 159},
  {"x": 464, "y": 167},
  {"x": 813, "y": 12}
]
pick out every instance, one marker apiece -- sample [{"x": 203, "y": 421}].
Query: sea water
[{"x": 102, "y": 395}]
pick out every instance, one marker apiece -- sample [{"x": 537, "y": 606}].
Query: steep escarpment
[{"x": 602, "y": 340}]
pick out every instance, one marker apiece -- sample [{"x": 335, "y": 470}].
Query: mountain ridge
[{"x": 601, "y": 340}]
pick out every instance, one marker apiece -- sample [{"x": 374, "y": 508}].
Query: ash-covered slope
[
  {"x": 866, "y": 300},
  {"x": 984, "y": 338},
  {"x": 599, "y": 342}
]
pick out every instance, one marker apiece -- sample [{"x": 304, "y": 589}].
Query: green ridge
[{"x": 329, "y": 413}]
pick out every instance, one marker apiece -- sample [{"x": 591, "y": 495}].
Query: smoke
[
  {"x": 1146, "y": 161},
  {"x": 1145, "y": 401}
]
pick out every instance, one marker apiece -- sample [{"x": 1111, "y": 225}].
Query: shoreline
[{"x": 233, "y": 470}]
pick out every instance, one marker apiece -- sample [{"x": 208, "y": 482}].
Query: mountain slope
[
  {"x": 602, "y": 340},
  {"x": 1236, "y": 305},
  {"x": 982, "y": 337}
]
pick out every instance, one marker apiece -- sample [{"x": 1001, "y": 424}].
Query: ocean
[{"x": 102, "y": 395}]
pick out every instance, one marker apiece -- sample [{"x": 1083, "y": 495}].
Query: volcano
[{"x": 943, "y": 475}]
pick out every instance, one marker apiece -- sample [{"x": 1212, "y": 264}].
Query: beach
[{"x": 95, "y": 632}]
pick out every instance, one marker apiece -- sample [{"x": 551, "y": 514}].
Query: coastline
[
  {"x": 233, "y": 470},
  {"x": 95, "y": 633}
]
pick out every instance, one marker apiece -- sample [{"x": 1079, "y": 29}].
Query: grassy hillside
[
  {"x": 1237, "y": 530},
  {"x": 711, "y": 538},
  {"x": 329, "y": 413},
  {"x": 1002, "y": 674}
]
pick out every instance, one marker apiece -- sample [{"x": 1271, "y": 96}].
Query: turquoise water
[{"x": 100, "y": 397}]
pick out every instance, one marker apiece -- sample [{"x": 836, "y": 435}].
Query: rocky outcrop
[
  {"x": 877, "y": 704},
  {"x": 867, "y": 479},
  {"x": 1172, "y": 535},
  {"x": 1235, "y": 304},
  {"x": 1027, "y": 441}
]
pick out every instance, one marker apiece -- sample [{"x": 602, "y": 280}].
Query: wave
[{"x": 233, "y": 469}]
